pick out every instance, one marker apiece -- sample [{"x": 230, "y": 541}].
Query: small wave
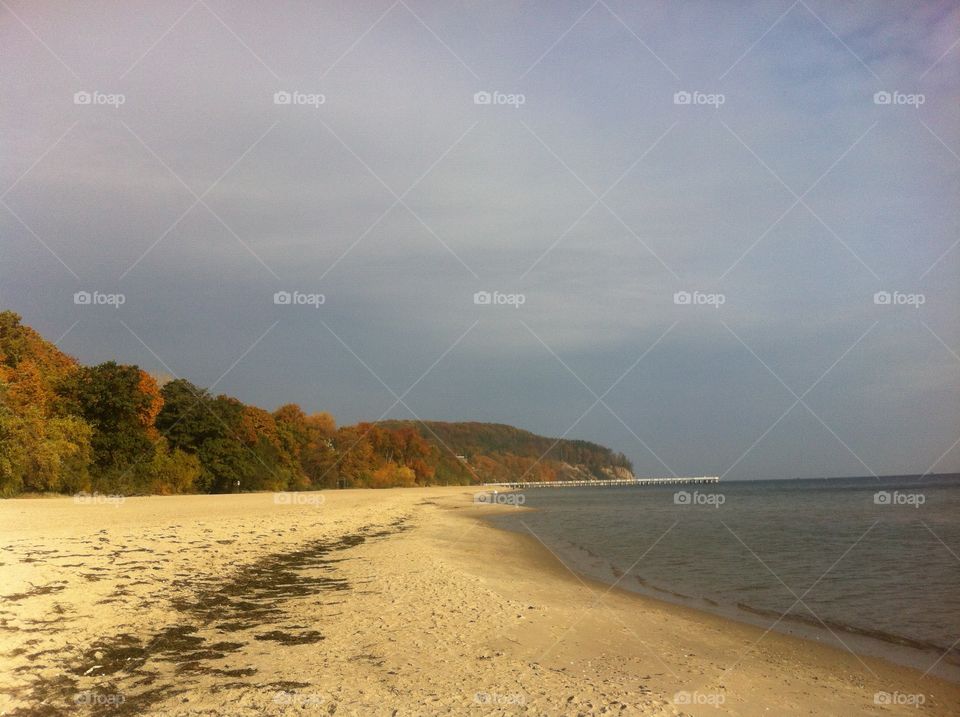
[
  {"x": 951, "y": 654},
  {"x": 665, "y": 591}
]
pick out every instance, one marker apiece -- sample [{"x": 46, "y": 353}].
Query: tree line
[{"x": 114, "y": 428}]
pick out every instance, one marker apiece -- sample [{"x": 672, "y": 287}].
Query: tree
[
  {"x": 43, "y": 455},
  {"x": 13, "y": 454},
  {"x": 187, "y": 418},
  {"x": 354, "y": 457},
  {"x": 151, "y": 405},
  {"x": 119, "y": 404},
  {"x": 391, "y": 475},
  {"x": 26, "y": 389},
  {"x": 170, "y": 471},
  {"x": 222, "y": 463},
  {"x": 65, "y": 428},
  {"x": 62, "y": 456},
  {"x": 232, "y": 441}
]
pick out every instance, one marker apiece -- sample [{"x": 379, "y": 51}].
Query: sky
[{"x": 718, "y": 237}]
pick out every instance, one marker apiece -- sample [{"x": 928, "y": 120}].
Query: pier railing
[{"x": 671, "y": 480}]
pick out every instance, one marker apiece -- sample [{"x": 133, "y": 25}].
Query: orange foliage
[
  {"x": 255, "y": 423},
  {"x": 148, "y": 413},
  {"x": 390, "y": 475},
  {"x": 27, "y": 388},
  {"x": 321, "y": 423}
]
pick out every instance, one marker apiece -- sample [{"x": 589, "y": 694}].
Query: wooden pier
[{"x": 671, "y": 480}]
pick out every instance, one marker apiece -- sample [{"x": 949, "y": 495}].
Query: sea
[{"x": 870, "y": 565}]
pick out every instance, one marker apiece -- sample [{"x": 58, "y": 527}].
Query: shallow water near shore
[{"x": 865, "y": 564}]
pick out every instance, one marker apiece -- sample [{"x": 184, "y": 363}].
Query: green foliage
[
  {"x": 40, "y": 455},
  {"x": 111, "y": 428},
  {"x": 64, "y": 456},
  {"x": 493, "y": 452},
  {"x": 187, "y": 418},
  {"x": 233, "y": 442},
  {"x": 13, "y": 454},
  {"x": 109, "y": 397}
]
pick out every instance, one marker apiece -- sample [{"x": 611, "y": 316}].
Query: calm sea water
[{"x": 874, "y": 562}]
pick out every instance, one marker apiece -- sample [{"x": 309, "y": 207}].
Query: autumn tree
[
  {"x": 66, "y": 428},
  {"x": 119, "y": 404},
  {"x": 42, "y": 448}
]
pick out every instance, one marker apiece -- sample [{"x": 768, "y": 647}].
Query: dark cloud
[{"x": 582, "y": 185}]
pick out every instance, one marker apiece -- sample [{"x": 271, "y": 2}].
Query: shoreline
[
  {"x": 893, "y": 648},
  {"x": 396, "y": 601},
  {"x": 815, "y": 658}
]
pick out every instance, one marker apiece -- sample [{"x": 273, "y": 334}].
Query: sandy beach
[{"x": 392, "y": 602}]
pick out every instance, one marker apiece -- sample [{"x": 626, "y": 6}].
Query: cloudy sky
[{"x": 618, "y": 155}]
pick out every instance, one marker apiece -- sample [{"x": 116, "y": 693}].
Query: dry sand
[{"x": 371, "y": 603}]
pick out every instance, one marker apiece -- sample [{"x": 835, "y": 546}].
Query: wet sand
[{"x": 373, "y": 603}]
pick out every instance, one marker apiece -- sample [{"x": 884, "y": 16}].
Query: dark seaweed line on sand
[{"x": 253, "y": 597}]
